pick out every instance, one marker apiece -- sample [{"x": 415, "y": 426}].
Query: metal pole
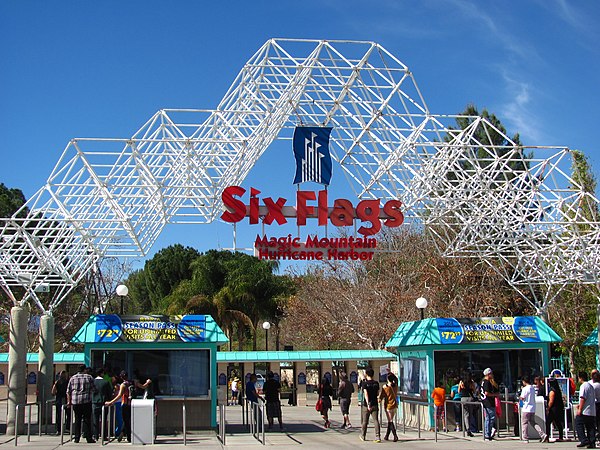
[
  {"x": 102, "y": 424},
  {"x": 29, "y": 423},
  {"x": 262, "y": 415},
  {"x": 17, "y": 408},
  {"x": 184, "y": 424},
  {"x": 39, "y": 423},
  {"x": 62, "y": 423},
  {"x": 435, "y": 429},
  {"x": 418, "y": 419},
  {"x": 403, "y": 418}
]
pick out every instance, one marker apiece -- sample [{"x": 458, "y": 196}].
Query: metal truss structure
[{"x": 514, "y": 207}]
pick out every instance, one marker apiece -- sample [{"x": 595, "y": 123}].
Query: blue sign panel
[
  {"x": 301, "y": 378},
  {"x": 148, "y": 328},
  {"x": 222, "y": 379},
  {"x": 487, "y": 330},
  {"x": 311, "y": 151}
]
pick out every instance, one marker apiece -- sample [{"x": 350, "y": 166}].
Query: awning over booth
[
  {"x": 306, "y": 355},
  {"x": 483, "y": 330},
  {"x": 106, "y": 328},
  {"x": 59, "y": 358}
]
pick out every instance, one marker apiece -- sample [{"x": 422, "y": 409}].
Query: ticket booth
[
  {"x": 178, "y": 353},
  {"x": 443, "y": 349}
]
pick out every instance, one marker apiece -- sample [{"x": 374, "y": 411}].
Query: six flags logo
[{"x": 313, "y": 163}]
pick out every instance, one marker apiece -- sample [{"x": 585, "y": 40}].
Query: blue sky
[{"x": 101, "y": 69}]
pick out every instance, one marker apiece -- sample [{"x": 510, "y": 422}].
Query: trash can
[{"x": 142, "y": 421}]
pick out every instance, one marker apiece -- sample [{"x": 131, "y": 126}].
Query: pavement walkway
[{"x": 302, "y": 427}]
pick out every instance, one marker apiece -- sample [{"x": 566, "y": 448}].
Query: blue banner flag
[{"x": 311, "y": 150}]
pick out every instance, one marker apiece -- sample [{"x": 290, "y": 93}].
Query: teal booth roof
[
  {"x": 107, "y": 328},
  {"x": 59, "y": 358},
  {"x": 305, "y": 355},
  {"x": 444, "y": 331},
  {"x": 592, "y": 339}
]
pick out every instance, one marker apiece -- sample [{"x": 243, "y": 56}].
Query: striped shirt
[{"x": 80, "y": 388}]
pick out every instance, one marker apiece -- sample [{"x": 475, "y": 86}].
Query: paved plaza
[{"x": 303, "y": 427}]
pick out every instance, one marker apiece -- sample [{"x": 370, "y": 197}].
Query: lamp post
[
  {"x": 122, "y": 292},
  {"x": 266, "y": 326},
  {"x": 421, "y": 303}
]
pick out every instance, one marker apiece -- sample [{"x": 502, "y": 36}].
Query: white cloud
[{"x": 517, "y": 111}]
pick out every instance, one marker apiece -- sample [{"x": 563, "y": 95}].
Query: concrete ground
[{"x": 302, "y": 427}]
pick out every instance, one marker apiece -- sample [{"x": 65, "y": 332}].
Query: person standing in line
[
  {"x": 325, "y": 393},
  {"x": 466, "y": 390},
  {"x": 596, "y": 384},
  {"x": 271, "y": 390},
  {"x": 345, "y": 391},
  {"x": 585, "y": 418},
  {"x": 439, "y": 400},
  {"x": 555, "y": 410},
  {"x": 251, "y": 393},
  {"x": 528, "y": 410},
  {"x": 490, "y": 391},
  {"x": 59, "y": 390},
  {"x": 234, "y": 391},
  {"x": 124, "y": 396},
  {"x": 455, "y": 394},
  {"x": 369, "y": 407},
  {"x": 79, "y": 395},
  {"x": 101, "y": 396},
  {"x": 389, "y": 394}
]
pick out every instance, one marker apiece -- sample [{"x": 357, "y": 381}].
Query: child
[{"x": 439, "y": 399}]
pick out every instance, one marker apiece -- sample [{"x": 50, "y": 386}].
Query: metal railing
[
  {"x": 106, "y": 424},
  {"x": 223, "y": 423},
  {"x": 419, "y": 405},
  {"x": 17, "y": 416},
  {"x": 63, "y": 412},
  {"x": 257, "y": 420},
  {"x": 48, "y": 406}
]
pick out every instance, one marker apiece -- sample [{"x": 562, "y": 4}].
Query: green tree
[
  {"x": 10, "y": 202},
  {"x": 161, "y": 274}
]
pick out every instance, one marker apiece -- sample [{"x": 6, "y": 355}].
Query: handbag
[
  {"x": 498, "y": 407},
  {"x": 319, "y": 404}
]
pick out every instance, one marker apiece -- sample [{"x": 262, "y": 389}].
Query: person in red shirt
[{"x": 439, "y": 399}]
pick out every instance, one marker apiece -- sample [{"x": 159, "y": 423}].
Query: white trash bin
[{"x": 142, "y": 421}]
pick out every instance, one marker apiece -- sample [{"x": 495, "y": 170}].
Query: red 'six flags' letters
[{"x": 342, "y": 214}]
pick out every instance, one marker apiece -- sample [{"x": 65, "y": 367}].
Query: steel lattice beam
[{"x": 112, "y": 197}]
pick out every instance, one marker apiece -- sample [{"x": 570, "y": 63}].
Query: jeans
[
  {"x": 586, "y": 428},
  {"x": 490, "y": 421},
  {"x": 457, "y": 413},
  {"x": 374, "y": 413}
]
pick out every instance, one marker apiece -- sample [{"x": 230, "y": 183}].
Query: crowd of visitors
[{"x": 85, "y": 396}]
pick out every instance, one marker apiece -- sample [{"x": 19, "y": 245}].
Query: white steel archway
[{"x": 112, "y": 197}]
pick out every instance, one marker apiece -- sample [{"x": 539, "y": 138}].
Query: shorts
[
  {"x": 234, "y": 394},
  {"x": 345, "y": 405},
  {"x": 273, "y": 409},
  {"x": 440, "y": 413}
]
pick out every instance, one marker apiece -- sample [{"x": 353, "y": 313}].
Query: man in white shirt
[
  {"x": 585, "y": 420},
  {"x": 528, "y": 411}
]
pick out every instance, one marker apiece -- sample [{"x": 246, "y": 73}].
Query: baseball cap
[
  {"x": 556, "y": 373},
  {"x": 487, "y": 371}
]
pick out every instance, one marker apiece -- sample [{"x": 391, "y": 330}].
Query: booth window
[
  {"x": 413, "y": 376},
  {"x": 173, "y": 372}
]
